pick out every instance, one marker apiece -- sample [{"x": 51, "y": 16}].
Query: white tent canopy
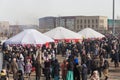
[
  {"x": 89, "y": 33},
  {"x": 59, "y": 33},
  {"x": 29, "y": 36}
]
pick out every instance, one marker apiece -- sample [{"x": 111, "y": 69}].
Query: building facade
[
  {"x": 66, "y": 21},
  {"x": 116, "y": 25},
  {"x": 47, "y": 22},
  {"x": 4, "y": 28},
  {"x": 98, "y": 23},
  {"x": 15, "y": 29},
  {"x": 75, "y": 23}
]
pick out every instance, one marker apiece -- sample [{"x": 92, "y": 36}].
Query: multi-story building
[
  {"x": 47, "y": 22},
  {"x": 4, "y": 28},
  {"x": 116, "y": 25},
  {"x": 98, "y": 23},
  {"x": 67, "y": 22},
  {"x": 75, "y": 23},
  {"x": 14, "y": 29}
]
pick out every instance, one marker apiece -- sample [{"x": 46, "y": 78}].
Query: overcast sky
[{"x": 29, "y": 11}]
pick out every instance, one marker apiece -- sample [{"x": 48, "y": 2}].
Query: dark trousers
[
  {"x": 37, "y": 77},
  {"x": 116, "y": 63},
  {"x": 99, "y": 71}
]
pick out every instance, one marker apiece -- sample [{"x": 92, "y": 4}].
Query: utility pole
[{"x": 113, "y": 17}]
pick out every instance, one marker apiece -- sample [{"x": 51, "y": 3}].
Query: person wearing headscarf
[{"x": 14, "y": 68}]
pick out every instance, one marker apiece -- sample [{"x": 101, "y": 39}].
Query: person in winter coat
[
  {"x": 76, "y": 72},
  {"x": 70, "y": 67},
  {"x": 88, "y": 63},
  {"x": 28, "y": 68},
  {"x": 47, "y": 69},
  {"x": 96, "y": 65},
  {"x": 64, "y": 69},
  {"x": 38, "y": 70},
  {"x": 76, "y": 60},
  {"x": 56, "y": 70},
  {"x": 21, "y": 65},
  {"x": 105, "y": 69},
  {"x": 38, "y": 67},
  {"x": 14, "y": 69},
  {"x": 84, "y": 72},
  {"x": 115, "y": 58},
  {"x": 20, "y": 75}
]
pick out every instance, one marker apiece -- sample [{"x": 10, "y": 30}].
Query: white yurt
[
  {"x": 89, "y": 33},
  {"x": 61, "y": 33},
  {"x": 29, "y": 36}
]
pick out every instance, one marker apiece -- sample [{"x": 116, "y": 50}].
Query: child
[{"x": 28, "y": 68}]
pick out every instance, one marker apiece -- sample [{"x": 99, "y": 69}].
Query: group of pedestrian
[{"x": 81, "y": 60}]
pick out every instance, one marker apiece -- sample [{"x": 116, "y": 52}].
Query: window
[
  {"x": 77, "y": 26},
  {"x": 96, "y": 21},
  {"x": 84, "y": 26},
  {"x": 96, "y": 26},
  {"x": 92, "y": 26},
  {"x": 88, "y": 25},
  {"x": 85, "y": 21},
  {"x": 92, "y": 21},
  {"x": 77, "y": 21},
  {"x": 81, "y": 21},
  {"x": 88, "y": 21},
  {"x": 81, "y": 26}
]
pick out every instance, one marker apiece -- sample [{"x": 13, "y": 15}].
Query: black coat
[
  {"x": 115, "y": 57},
  {"x": 38, "y": 69},
  {"x": 76, "y": 73},
  {"x": 84, "y": 72},
  {"x": 56, "y": 69}
]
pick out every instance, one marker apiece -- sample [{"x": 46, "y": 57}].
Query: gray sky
[{"x": 29, "y": 11}]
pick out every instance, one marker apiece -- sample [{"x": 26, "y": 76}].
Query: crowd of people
[{"x": 84, "y": 60}]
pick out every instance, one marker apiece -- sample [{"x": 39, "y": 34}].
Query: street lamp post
[{"x": 113, "y": 17}]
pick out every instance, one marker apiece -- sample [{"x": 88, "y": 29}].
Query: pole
[{"x": 113, "y": 17}]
